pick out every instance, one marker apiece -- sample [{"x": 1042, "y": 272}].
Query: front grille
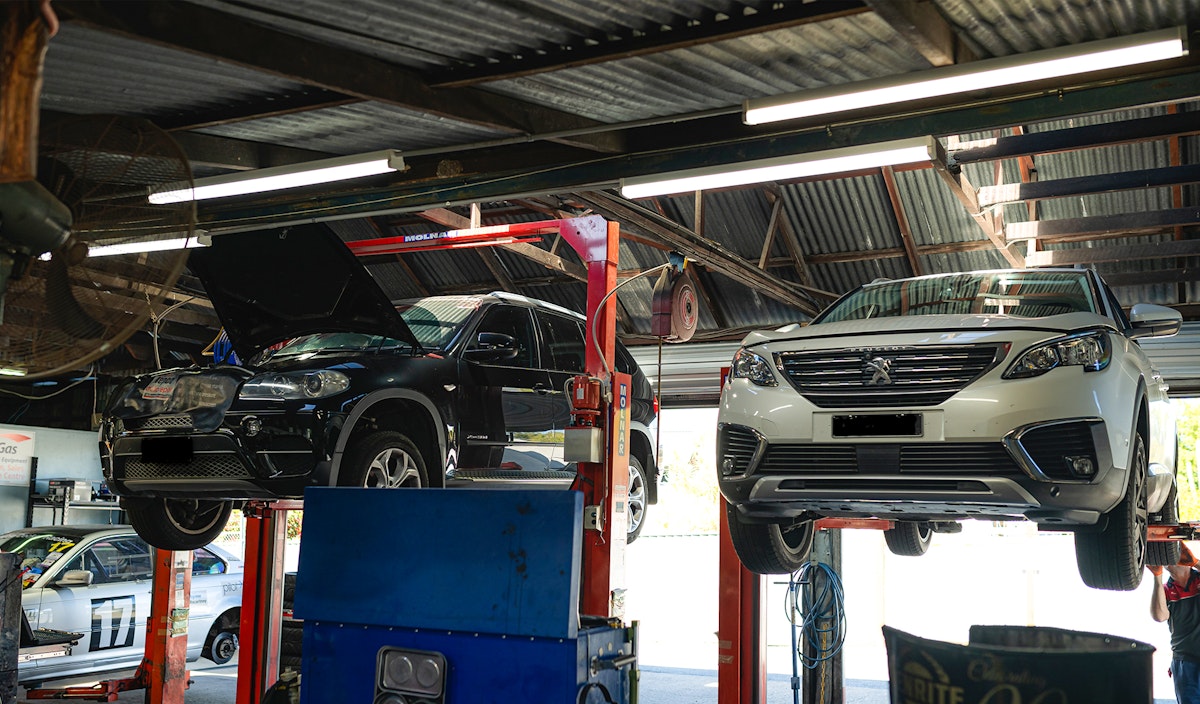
[
  {"x": 912, "y": 376},
  {"x": 1048, "y": 447},
  {"x": 738, "y": 445},
  {"x": 990, "y": 459},
  {"x": 172, "y": 422},
  {"x": 201, "y": 466}
]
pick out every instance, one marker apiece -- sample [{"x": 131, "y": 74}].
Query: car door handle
[{"x": 541, "y": 389}]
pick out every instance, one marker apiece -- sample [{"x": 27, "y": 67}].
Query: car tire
[
  {"x": 909, "y": 538},
  {"x": 177, "y": 524},
  {"x": 770, "y": 548},
  {"x": 222, "y": 648},
  {"x": 638, "y": 498},
  {"x": 1167, "y": 552},
  {"x": 384, "y": 459},
  {"x": 1114, "y": 557}
]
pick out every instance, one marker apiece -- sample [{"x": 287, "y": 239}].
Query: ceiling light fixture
[
  {"x": 973, "y": 76},
  {"x": 280, "y": 177},
  {"x": 109, "y": 250},
  {"x": 783, "y": 168}
]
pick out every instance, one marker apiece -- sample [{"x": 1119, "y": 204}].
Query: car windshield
[
  {"x": 38, "y": 551},
  {"x": 1028, "y": 294},
  {"x": 333, "y": 342},
  {"x": 436, "y": 320}
]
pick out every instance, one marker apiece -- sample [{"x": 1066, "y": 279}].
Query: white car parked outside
[
  {"x": 96, "y": 579},
  {"x": 991, "y": 395}
]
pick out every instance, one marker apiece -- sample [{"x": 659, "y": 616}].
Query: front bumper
[
  {"x": 250, "y": 456},
  {"x": 987, "y": 452}
]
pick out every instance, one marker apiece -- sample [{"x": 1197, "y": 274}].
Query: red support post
[
  {"x": 262, "y": 599},
  {"x": 163, "y": 671},
  {"x": 605, "y": 485},
  {"x": 741, "y": 636}
]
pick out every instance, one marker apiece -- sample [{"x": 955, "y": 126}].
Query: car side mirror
[
  {"x": 75, "y": 578},
  {"x": 493, "y": 347},
  {"x": 1151, "y": 320}
]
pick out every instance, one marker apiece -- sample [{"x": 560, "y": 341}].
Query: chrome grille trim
[{"x": 919, "y": 375}]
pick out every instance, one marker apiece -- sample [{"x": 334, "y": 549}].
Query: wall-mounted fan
[{"x": 61, "y": 306}]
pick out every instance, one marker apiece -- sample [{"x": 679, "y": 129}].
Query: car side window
[
  {"x": 124, "y": 559},
  {"x": 514, "y": 322},
  {"x": 205, "y": 562},
  {"x": 564, "y": 342}
]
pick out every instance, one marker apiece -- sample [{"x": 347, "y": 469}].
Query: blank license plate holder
[
  {"x": 871, "y": 425},
  {"x": 172, "y": 450}
]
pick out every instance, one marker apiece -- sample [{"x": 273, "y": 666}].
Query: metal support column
[
  {"x": 605, "y": 486},
  {"x": 262, "y": 599},
  {"x": 824, "y": 683},
  {"x": 164, "y": 669},
  {"x": 741, "y": 632}
]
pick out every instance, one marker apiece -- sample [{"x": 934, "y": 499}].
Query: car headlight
[
  {"x": 1090, "y": 350},
  {"x": 748, "y": 365},
  {"x": 294, "y": 386}
]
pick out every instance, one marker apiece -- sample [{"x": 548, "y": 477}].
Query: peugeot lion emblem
[{"x": 878, "y": 368}]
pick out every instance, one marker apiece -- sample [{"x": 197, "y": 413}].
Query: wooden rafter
[
  {"x": 920, "y": 24},
  {"x": 967, "y": 195},
  {"x": 906, "y": 235}
]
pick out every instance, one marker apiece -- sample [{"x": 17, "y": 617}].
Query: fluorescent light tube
[
  {"x": 973, "y": 76},
  {"x": 280, "y": 177},
  {"x": 831, "y": 161},
  {"x": 110, "y": 250},
  {"x": 11, "y": 371}
]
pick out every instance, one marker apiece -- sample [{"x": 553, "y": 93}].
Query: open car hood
[{"x": 278, "y": 284}]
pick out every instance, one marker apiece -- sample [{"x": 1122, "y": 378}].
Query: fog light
[
  {"x": 728, "y": 466},
  {"x": 1081, "y": 466},
  {"x": 251, "y": 426}
]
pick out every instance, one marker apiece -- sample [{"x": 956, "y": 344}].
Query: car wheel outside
[
  {"x": 909, "y": 538},
  {"x": 223, "y": 647},
  {"x": 178, "y": 524},
  {"x": 770, "y": 548},
  {"x": 1114, "y": 557},
  {"x": 1166, "y": 552},
  {"x": 386, "y": 460},
  {"x": 637, "y": 499}
]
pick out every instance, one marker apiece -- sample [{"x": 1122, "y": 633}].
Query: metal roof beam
[
  {"x": 642, "y": 41},
  {"x": 1104, "y": 225},
  {"x": 422, "y": 188},
  {"x": 1083, "y": 185},
  {"x": 199, "y": 30},
  {"x": 1121, "y": 253},
  {"x": 1088, "y": 136},
  {"x": 1150, "y": 278}
]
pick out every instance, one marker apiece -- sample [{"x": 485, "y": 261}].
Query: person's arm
[{"x": 1158, "y": 601}]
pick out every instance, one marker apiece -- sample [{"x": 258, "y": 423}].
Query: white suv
[{"x": 992, "y": 395}]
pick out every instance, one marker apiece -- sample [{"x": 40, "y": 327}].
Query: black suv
[{"x": 345, "y": 388}]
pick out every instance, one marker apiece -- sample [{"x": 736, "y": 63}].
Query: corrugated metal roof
[
  {"x": 356, "y": 128},
  {"x": 88, "y": 71},
  {"x": 999, "y": 29}
]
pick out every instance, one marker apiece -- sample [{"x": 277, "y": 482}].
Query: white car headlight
[
  {"x": 748, "y": 365},
  {"x": 1090, "y": 350},
  {"x": 294, "y": 386}
]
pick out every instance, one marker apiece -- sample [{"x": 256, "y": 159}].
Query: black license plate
[
  {"x": 877, "y": 425},
  {"x": 172, "y": 450}
]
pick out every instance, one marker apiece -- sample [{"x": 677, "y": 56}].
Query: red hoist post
[
  {"x": 262, "y": 598},
  {"x": 605, "y": 484},
  {"x": 163, "y": 671}
]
